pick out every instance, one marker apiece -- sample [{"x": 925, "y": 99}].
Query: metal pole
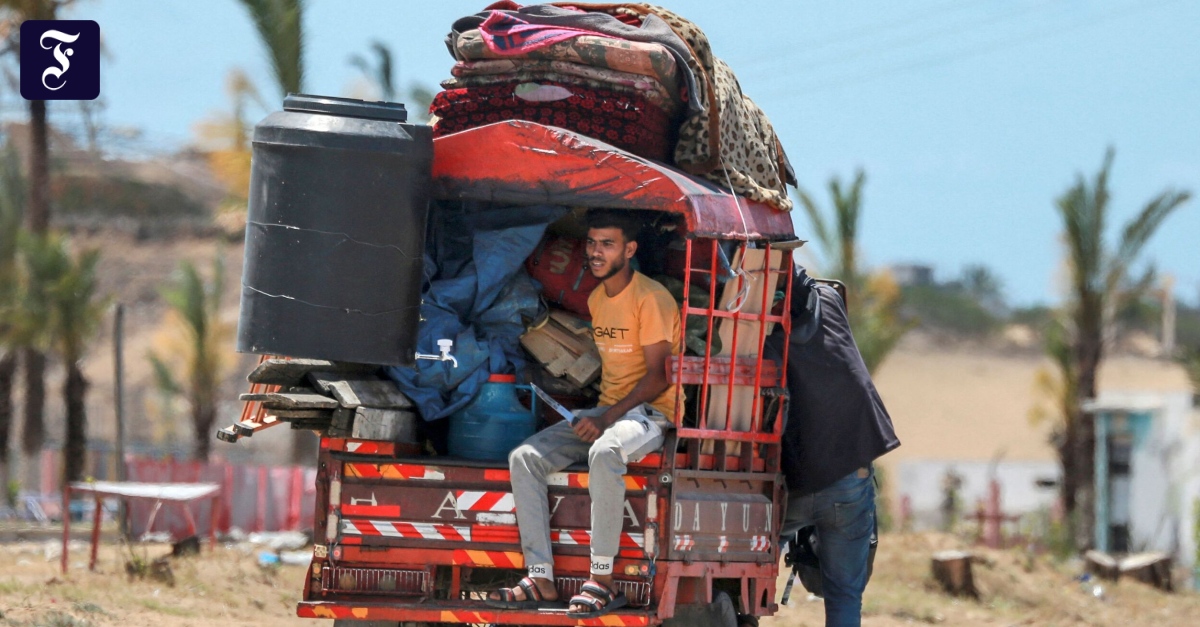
[{"x": 119, "y": 402}]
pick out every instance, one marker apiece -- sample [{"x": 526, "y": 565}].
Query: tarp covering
[
  {"x": 522, "y": 162},
  {"x": 477, "y": 294}
]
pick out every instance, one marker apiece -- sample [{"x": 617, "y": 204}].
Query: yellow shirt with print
[{"x": 644, "y": 313}]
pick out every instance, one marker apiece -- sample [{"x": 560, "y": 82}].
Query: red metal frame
[
  {"x": 522, "y": 162},
  {"x": 770, "y": 375}
]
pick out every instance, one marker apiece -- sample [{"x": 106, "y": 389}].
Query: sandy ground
[
  {"x": 227, "y": 587},
  {"x": 1016, "y": 589}
]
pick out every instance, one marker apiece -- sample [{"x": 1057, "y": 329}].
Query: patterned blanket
[
  {"x": 476, "y": 73},
  {"x": 624, "y": 120},
  {"x": 729, "y": 140}
]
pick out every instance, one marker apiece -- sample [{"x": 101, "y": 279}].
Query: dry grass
[
  {"x": 228, "y": 588},
  {"x": 224, "y": 587},
  {"x": 1016, "y": 589}
]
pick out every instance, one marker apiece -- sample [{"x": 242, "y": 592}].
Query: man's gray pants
[{"x": 552, "y": 449}]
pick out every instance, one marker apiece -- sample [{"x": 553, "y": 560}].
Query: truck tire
[{"x": 719, "y": 613}]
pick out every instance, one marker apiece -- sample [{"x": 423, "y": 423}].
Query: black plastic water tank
[{"x": 339, "y": 195}]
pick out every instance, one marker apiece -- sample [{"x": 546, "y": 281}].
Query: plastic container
[
  {"x": 493, "y": 424},
  {"x": 335, "y": 234}
]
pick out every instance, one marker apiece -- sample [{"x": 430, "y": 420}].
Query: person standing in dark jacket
[{"x": 836, "y": 427}]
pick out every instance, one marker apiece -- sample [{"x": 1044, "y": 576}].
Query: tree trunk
[
  {"x": 1089, "y": 354},
  {"x": 952, "y": 569},
  {"x": 75, "y": 447},
  {"x": 203, "y": 416},
  {"x": 1066, "y": 454},
  {"x": 8, "y": 372},
  {"x": 39, "y": 168},
  {"x": 33, "y": 433}
]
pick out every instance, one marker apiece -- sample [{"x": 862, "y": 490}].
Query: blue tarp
[{"x": 478, "y": 294}]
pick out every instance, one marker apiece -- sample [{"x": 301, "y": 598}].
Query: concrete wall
[{"x": 921, "y": 481}]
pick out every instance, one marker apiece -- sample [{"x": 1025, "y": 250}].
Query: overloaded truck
[{"x": 407, "y": 292}]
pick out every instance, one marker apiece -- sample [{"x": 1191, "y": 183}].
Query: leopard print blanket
[{"x": 729, "y": 140}]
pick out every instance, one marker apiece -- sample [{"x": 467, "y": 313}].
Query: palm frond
[
  {"x": 164, "y": 380},
  {"x": 280, "y": 26},
  {"x": 1138, "y": 231},
  {"x": 385, "y": 71},
  {"x": 817, "y": 222}
]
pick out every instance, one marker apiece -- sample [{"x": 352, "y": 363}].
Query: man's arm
[{"x": 654, "y": 383}]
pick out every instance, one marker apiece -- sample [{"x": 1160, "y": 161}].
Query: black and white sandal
[
  {"x": 508, "y": 597},
  {"x": 598, "y": 597}
]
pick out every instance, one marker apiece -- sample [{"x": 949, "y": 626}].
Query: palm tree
[
  {"x": 13, "y": 13},
  {"x": 12, "y": 205},
  {"x": 195, "y": 306},
  {"x": 77, "y": 315},
  {"x": 30, "y": 331},
  {"x": 73, "y": 314},
  {"x": 1100, "y": 283},
  {"x": 840, "y": 244},
  {"x": 873, "y": 299},
  {"x": 280, "y": 25}
]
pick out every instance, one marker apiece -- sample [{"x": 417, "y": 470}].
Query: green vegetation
[
  {"x": 202, "y": 353},
  {"x": 1101, "y": 284},
  {"x": 873, "y": 297}
]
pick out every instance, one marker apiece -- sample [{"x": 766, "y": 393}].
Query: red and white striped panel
[
  {"x": 723, "y": 545},
  {"x": 394, "y": 471},
  {"x": 567, "y": 537},
  {"x": 385, "y": 511},
  {"x": 389, "y": 529},
  {"x": 485, "y": 501},
  {"x": 759, "y": 544},
  {"x": 684, "y": 543},
  {"x": 580, "y": 480},
  {"x": 583, "y": 537},
  {"x": 370, "y": 448}
]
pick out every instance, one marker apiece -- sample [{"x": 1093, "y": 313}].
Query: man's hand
[{"x": 590, "y": 428}]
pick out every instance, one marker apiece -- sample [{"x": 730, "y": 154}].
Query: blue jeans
[{"x": 844, "y": 515}]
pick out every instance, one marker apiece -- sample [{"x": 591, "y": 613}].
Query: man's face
[{"x": 608, "y": 252}]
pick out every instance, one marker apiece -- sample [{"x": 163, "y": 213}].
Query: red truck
[{"x": 408, "y": 538}]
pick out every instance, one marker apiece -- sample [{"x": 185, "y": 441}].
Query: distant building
[{"x": 912, "y": 275}]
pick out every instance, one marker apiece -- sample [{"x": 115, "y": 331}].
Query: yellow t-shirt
[{"x": 644, "y": 313}]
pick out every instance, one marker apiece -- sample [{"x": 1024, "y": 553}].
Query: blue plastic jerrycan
[{"x": 494, "y": 423}]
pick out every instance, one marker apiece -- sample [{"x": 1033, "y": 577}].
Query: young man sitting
[{"x": 636, "y": 325}]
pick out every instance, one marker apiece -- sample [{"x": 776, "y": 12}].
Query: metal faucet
[{"x": 444, "y": 345}]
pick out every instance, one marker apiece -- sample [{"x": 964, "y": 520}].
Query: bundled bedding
[{"x": 633, "y": 75}]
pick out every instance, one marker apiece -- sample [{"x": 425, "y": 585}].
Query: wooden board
[
  {"x": 292, "y": 371},
  {"x": 568, "y": 340},
  {"x": 571, "y": 323},
  {"x": 392, "y": 425},
  {"x": 282, "y": 400},
  {"x": 752, "y": 261},
  {"x": 565, "y": 348},
  {"x": 585, "y": 370},
  {"x": 300, "y": 414},
  {"x": 355, "y": 392}
]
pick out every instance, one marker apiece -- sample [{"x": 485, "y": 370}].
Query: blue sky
[{"x": 969, "y": 117}]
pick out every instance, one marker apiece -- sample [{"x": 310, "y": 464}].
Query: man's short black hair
[{"x": 629, "y": 224}]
